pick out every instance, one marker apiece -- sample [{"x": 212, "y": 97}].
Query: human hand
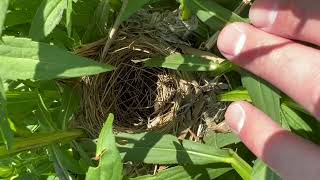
[{"x": 264, "y": 49}]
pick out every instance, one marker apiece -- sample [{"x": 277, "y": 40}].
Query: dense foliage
[{"x": 36, "y": 106}]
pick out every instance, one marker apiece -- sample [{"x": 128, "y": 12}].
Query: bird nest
[{"x": 143, "y": 98}]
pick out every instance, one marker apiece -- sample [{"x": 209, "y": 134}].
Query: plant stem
[
  {"x": 240, "y": 165},
  {"x": 40, "y": 140}
]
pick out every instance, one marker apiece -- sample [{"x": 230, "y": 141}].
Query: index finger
[{"x": 292, "y": 67}]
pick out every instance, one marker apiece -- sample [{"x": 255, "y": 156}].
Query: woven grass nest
[{"x": 144, "y": 99}]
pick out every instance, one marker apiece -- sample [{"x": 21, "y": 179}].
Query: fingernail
[
  {"x": 235, "y": 117},
  {"x": 231, "y": 41},
  {"x": 264, "y": 17}
]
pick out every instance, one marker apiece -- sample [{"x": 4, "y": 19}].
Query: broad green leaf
[
  {"x": 22, "y": 58},
  {"x": 131, "y": 7},
  {"x": 212, "y": 14},
  {"x": 3, "y": 11},
  {"x": 48, "y": 16},
  {"x": 40, "y": 140},
  {"x": 221, "y": 140},
  {"x": 152, "y": 148},
  {"x": 262, "y": 172},
  {"x": 210, "y": 171},
  {"x": 70, "y": 103},
  {"x": 235, "y": 95},
  {"x": 263, "y": 95},
  {"x": 5, "y": 130},
  {"x": 189, "y": 63},
  {"x": 99, "y": 23},
  {"x": 110, "y": 164}
]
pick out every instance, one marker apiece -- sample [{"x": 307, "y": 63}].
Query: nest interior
[{"x": 148, "y": 98}]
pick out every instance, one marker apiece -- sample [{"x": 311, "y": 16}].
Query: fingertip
[
  {"x": 235, "y": 116},
  {"x": 263, "y": 13},
  {"x": 232, "y": 40}
]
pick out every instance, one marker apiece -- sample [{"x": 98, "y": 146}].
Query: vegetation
[{"x": 41, "y": 94}]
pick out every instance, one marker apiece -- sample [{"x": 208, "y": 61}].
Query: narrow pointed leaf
[
  {"x": 22, "y": 58},
  {"x": 213, "y": 14},
  {"x": 110, "y": 164},
  {"x": 48, "y": 16},
  {"x": 189, "y": 63}
]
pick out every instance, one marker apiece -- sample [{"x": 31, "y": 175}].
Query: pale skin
[{"x": 274, "y": 48}]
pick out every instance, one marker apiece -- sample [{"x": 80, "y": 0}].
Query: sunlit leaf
[
  {"x": 210, "y": 171},
  {"x": 3, "y": 11},
  {"x": 212, "y": 13},
  {"x": 189, "y": 63},
  {"x": 153, "y": 148},
  {"x": 48, "y": 16},
  {"x": 22, "y": 58},
  {"x": 110, "y": 164}
]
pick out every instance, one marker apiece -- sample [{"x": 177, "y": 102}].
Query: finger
[
  {"x": 289, "y": 155},
  {"x": 292, "y": 67},
  {"x": 292, "y": 19}
]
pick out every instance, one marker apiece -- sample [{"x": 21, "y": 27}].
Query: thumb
[{"x": 291, "y": 156}]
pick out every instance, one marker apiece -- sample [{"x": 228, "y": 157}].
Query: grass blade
[
  {"x": 22, "y": 58},
  {"x": 132, "y": 7}
]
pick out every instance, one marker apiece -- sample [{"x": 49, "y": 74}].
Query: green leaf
[
  {"x": 235, "y": 95},
  {"x": 210, "y": 171},
  {"x": 213, "y": 14},
  {"x": 22, "y": 58},
  {"x": 70, "y": 103},
  {"x": 306, "y": 128},
  {"x": 48, "y": 16},
  {"x": 263, "y": 95},
  {"x": 65, "y": 160},
  {"x": 99, "y": 23},
  {"x": 3, "y": 11},
  {"x": 221, "y": 140},
  {"x": 5, "y": 130},
  {"x": 262, "y": 172},
  {"x": 40, "y": 140},
  {"x": 189, "y": 63},
  {"x": 44, "y": 116},
  {"x": 68, "y": 17},
  {"x": 110, "y": 165},
  {"x": 132, "y": 7},
  {"x": 152, "y": 148}
]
